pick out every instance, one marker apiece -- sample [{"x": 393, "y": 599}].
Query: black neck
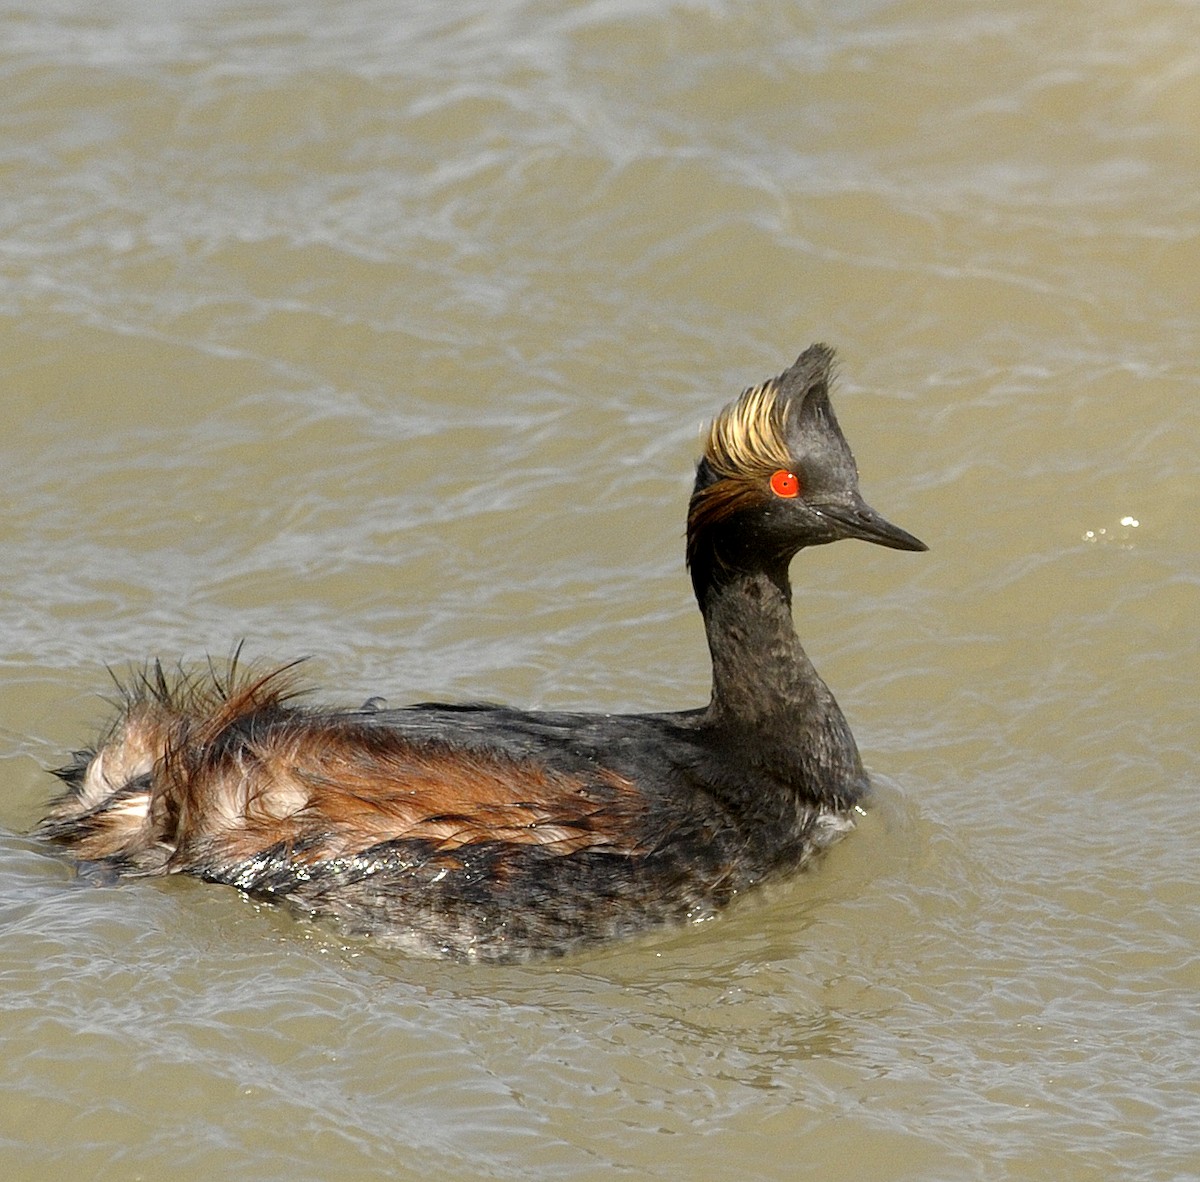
[{"x": 767, "y": 697}]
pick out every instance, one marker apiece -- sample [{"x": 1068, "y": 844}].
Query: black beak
[{"x": 856, "y": 519}]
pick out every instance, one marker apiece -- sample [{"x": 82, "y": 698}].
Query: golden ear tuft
[
  {"x": 746, "y": 440},
  {"x": 745, "y": 447}
]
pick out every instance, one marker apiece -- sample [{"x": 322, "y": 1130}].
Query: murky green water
[{"x": 382, "y": 333}]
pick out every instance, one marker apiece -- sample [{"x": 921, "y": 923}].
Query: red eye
[{"x": 785, "y": 484}]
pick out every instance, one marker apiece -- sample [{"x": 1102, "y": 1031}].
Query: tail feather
[{"x": 126, "y": 798}]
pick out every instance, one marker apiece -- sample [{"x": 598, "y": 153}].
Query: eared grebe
[{"x": 487, "y": 833}]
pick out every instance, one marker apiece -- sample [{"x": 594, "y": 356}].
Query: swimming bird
[{"x": 483, "y": 832}]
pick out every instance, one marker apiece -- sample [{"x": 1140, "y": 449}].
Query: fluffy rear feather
[{"x": 206, "y": 774}]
